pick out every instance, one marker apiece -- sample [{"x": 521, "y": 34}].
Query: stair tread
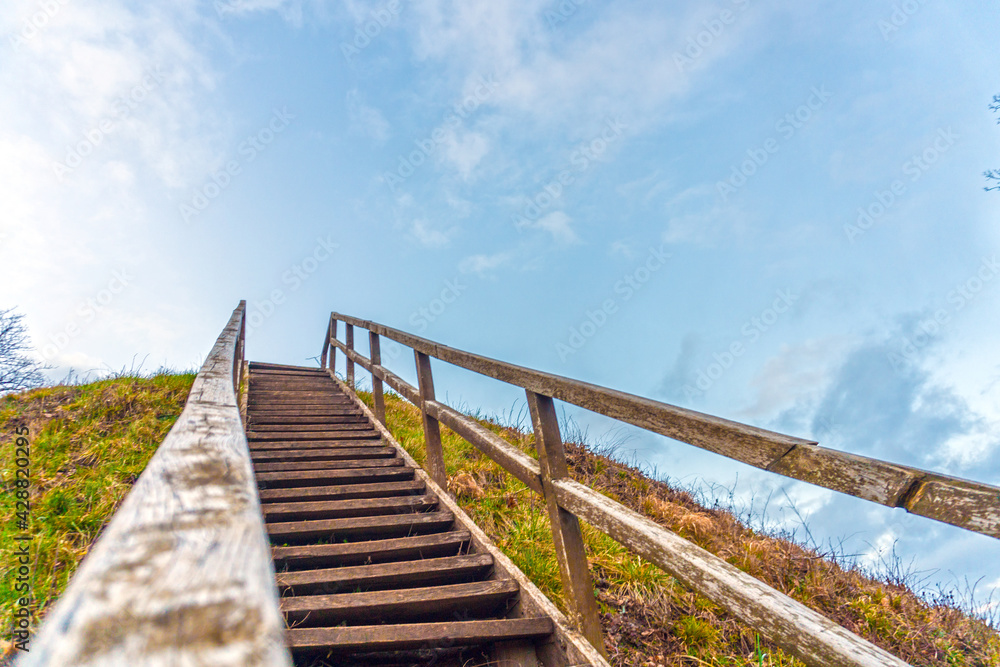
[
  {"x": 336, "y": 529},
  {"x": 340, "y": 464},
  {"x": 375, "y": 551},
  {"x": 479, "y": 597},
  {"x": 396, "y": 574},
  {"x": 333, "y": 509},
  {"x": 408, "y": 636},
  {"x": 342, "y": 491}
]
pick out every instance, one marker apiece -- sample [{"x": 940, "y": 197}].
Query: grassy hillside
[
  {"x": 650, "y": 619},
  {"x": 88, "y": 444}
]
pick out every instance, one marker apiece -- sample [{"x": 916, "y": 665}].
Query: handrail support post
[
  {"x": 566, "y": 534},
  {"x": 326, "y": 343},
  {"x": 333, "y": 348},
  {"x": 432, "y": 429},
  {"x": 349, "y": 341},
  {"x": 375, "y": 355}
]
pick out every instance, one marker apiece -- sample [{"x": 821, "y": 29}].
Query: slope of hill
[
  {"x": 87, "y": 445},
  {"x": 90, "y": 442},
  {"x": 650, "y": 619}
]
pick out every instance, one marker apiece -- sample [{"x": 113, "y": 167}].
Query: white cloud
[
  {"x": 707, "y": 226},
  {"x": 289, "y": 10},
  {"x": 557, "y": 224},
  {"x": 366, "y": 120},
  {"x": 432, "y": 238},
  {"x": 621, "y": 248},
  {"x": 797, "y": 374},
  {"x": 483, "y": 264},
  {"x": 465, "y": 150}
]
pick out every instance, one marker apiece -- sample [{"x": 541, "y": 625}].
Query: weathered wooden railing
[
  {"x": 789, "y": 624},
  {"x": 182, "y": 575}
]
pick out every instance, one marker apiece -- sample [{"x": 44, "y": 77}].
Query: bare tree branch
[
  {"x": 993, "y": 175},
  {"x": 17, "y": 370}
]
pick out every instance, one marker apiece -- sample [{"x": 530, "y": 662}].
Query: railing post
[
  {"x": 326, "y": 344},
  {"x": 349, "y": 341},
  {"x": 238, "y": 352},
  {"x": 375, "y": 354},
  {"x": 432, "y": 430},
  {"x": 333, "y": 348},
  {"x": 566, "y": 534}
]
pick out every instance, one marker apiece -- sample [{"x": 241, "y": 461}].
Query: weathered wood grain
[
  {"x": 426, "y": 572},
  {"x": 379, "y": 551},
  {"x": 375, "y": 357},
  {"x": 396, "y": 605},
  {"x": 182, "y": 574},
  {"x": 571, "y": 553},
  {"x": 804, "y": 633},
  {"x": 432, "y": 430},
  {"x": 565, "y": 646},
  {"x": 508, "y": 457},
  {"x": 349, "y": 342},
  {"x": 388, "y": 525},
  {"x": 420, "y": 635},
  {"x": 332, "y": 509},
  {"x": 342, "y": 491},
  {"x": 967, "y": 504}
]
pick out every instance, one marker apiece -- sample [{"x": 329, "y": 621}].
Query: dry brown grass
[{"x": 649, "y": 618}]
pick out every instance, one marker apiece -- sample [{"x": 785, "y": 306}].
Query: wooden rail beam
[
  {"x": 797, "y": 629},
  {"x": 182, "y": 575},
  {"x": 964, "y": 503},
  {"x": 800, "y": 631}
]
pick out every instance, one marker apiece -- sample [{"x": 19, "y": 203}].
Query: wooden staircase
[{"x": 372, "y": 567}]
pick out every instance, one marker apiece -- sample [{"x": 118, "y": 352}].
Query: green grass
[
  {"x": 89, "y": 443},
  {"x": 649, "y": 619}
]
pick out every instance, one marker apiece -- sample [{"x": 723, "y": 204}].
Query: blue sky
[{"x": 767, "y": 211}]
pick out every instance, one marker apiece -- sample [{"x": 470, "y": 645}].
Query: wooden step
[
  {"x": 280, "y": 421},
  {"x": 475, "y": 599},
  {"x": 317, "y": 423},
  {"x": 289, "y": 373},
  {"x": 280, "y": 480},
  {"x": 412, "y": 636},
  {"x": 265, "y": 365},
  {"x": 265, "y": 399},
  {"x": 428, "y": 572},
  {"x": 304, "y": 445},
  {"x": 355, "y": 528},
  {"x": 293, "y": 411},
  {"x": 342, "y": 492},
  {"x": 435, "y": 545},
  {"x": 336, "y": 432},
  {"x": 334, "y": 509},
  {"x": 283, "y": 466},
  {"x": 358, "y": 539},
  {"x": 298, "y": 393},
  {"x": 323, "y": 454},
  {"x": 354, "y": 439},
  {"x": 270, "y": 408}
]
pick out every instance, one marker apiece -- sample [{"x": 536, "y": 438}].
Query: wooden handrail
[
  {"x": 794, "y": 627},
  {"x": 967, "y": 504},
  {"x": 182, "y": 575},
  {"x": 799, "y": 630}
]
